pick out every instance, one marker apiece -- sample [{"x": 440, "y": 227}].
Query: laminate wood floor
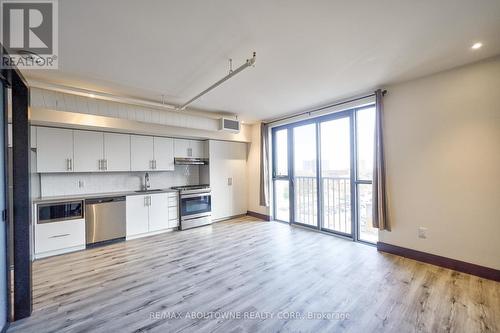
[{"x": 246, "y": 275}]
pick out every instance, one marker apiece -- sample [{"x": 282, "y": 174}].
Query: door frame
[
  {"x": 21, "y": 306},
  {"x": 354, "y": 181}
]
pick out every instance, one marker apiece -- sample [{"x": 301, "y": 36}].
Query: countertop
[{"x": 63, "y": 198}]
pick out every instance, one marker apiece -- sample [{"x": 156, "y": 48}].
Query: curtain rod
[{"x": 322, "y": 108}]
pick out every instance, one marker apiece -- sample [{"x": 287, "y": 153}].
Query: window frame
[{"x": 351, "y": 113}]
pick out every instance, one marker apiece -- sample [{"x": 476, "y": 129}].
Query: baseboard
[
  {"x": 259, "y": 215},
  {"x": 457, "y": 265},
  {"x": 228, "y": 218}
]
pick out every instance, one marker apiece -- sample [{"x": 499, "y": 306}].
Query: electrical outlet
[{"x": 422, "y": 232}]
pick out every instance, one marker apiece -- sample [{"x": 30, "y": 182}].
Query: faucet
[{"x": 147, "y": 185}]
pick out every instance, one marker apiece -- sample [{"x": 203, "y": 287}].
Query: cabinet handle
[
  {"x": 154, "y": 164},
  {"x": 70, "y": 164},
  {"x": 61, "y": 235},
  {"x": 105, "y": 164},
  {"x": 100, "y": 165},
  {"x": 145, "y": 201}
]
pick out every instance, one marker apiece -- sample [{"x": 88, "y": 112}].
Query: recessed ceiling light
[
  {"x": 91, "y": 95},
  {"x": 476, "y": 46}
]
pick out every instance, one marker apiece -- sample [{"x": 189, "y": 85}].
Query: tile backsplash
[{"x": 85, "y": 183}]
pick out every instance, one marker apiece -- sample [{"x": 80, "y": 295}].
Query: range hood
[{"x": 190, "y": 161}]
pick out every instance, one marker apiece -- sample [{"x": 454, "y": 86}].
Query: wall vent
[{"x": 229, "y": 125}]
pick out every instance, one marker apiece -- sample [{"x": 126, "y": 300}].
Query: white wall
[
  {"x": 253, "y": 173},
  {"x": 55, "y": 184},
  {"x": 442, "y": 136}
]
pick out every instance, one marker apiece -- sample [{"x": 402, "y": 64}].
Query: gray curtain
[
  {"x": 264, "y": 165},
  {"x": 380, "y": 217}
]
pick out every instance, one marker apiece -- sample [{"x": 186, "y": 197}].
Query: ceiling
[{"x": 309, "y": 53}]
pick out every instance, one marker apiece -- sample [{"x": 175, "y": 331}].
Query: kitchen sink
[{"x": 149, "y": 191}]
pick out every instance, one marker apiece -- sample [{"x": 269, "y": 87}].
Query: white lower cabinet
[
  {"x": 150, "y": 213},
  {"x": 158, "y": 212},
  {"x": 137, "y": 212},
  {"x": 59, "y": 237}
]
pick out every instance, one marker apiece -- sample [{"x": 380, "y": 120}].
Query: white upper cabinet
[
  {"x": 66, "y": 150},
  {"x": 198, "y": 148},
  {"x": 181, "y": 148},
  {"x": 158, "y": 212},
  {"x": 189, "y": 148},
  {"x": 163, "y": 154},
  {"x": 141, "y": 152},
  {"x": 116, "y": 152},
  {"x": 54, "y": 150},
  {"x": 88, "y": 151}
]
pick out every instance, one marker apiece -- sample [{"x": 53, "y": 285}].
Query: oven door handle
[{"x": 197, "y": 195}]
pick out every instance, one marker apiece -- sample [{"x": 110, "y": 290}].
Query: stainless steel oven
[{"x": 195, "y": 206}]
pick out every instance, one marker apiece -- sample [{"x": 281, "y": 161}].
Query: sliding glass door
[
  {"x": 336, "y": 175},
  {"x": 305, "y": 185},
  {"x": 281, "y": 180},
  {"x": 322, "y": 173}
]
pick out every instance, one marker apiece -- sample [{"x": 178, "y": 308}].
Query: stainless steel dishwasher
[{"x": 105, "y": 220}]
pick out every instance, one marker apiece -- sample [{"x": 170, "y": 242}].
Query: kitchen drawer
[
  {"x": 173, "y": 213},
  {"x": 172, "y": 201},
  {"x": 58, "y": 236}
]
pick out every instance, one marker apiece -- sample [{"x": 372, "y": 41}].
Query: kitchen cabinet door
[
  {"x": 197, "y": 148},
  {"x": 137, "y": 215},
  {"x": 228, "y": 181},
  {"x": 158, "y": 212},
  {"x": 182, "y": 148},
  {"x": 219, "y": 173},
  {"x": 238, "y": 188},
  {"x": 116, "y": 152},
  {"x": 88, "y": 151},
  {"x": 163, "y": 154},
  {"x": 141, "y": 153},
  {"x": 54, "y": 150}
]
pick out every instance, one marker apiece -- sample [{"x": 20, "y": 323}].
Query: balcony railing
[{"x": 336, "y": 202}]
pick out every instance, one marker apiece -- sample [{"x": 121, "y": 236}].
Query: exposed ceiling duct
[{"x": 248, "y": 63}]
